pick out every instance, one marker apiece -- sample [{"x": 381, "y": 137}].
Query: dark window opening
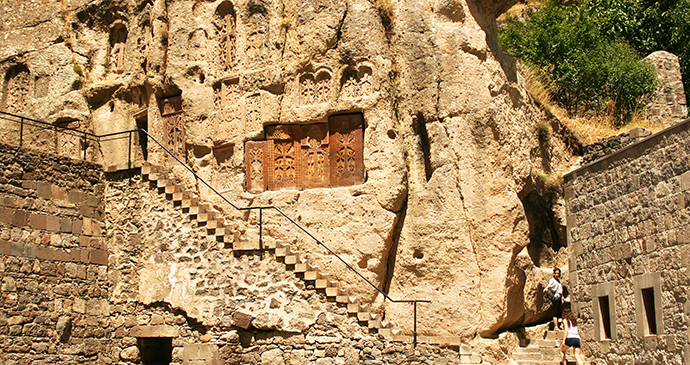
[
  {"x": 155, "y": 350},
  {"x": 605, "y": 316},
  {"x": 649, "y": 310}
]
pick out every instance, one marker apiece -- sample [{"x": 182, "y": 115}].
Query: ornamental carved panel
[
  {"x": 307, "y": 156},
  {"x": 69, "y": 144},
  {"x": 256, "y": 163},
  {"x": 173, "y": 126},
  {"x": 315, "y": 162},
  {"x": 346, "y": 162},
  {"x": 283, "y": 157}
]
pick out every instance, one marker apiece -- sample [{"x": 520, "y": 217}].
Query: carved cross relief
[
  {"x": 173, "y": 126},
  {"x": 227, "y": 39},
  {"x": 16, "y": 91},
  {"x": 307, "y": 156},
  {"x": 69, "y": 144}
]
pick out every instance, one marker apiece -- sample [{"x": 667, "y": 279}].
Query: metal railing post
[
  {"x": 261, "y": 243},
  {"x": 21, "y": 131},
  {"x": 129, "y": 152},
  {"x": 415, "y": 323}
]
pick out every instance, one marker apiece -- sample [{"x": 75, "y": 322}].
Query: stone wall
[
  {"x": 628, "y": 218},
  {"x": 669, "y": 104},
  {"x": 53, "y": 257},
  {"x": 170, "y": 281},
  {"x": 611, "y": 145}
]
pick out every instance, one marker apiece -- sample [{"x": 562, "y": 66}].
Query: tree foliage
[{"x": 585, "y": 69}]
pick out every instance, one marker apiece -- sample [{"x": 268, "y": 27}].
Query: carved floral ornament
[{"x": 307, "y": 156}]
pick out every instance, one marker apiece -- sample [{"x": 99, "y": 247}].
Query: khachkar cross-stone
[
  {"x": 173, "y": 126},
  {"x": 347, "y": 166},
  {"x": 315, "y": 156},
  {"x": 307, "y": 156},
  {"x": 283, "y": 158}
]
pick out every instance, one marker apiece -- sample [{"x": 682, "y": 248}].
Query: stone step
[
  {"x": 181, "y": 195},
  {"x": 539, "y": 343},
  {"x": 215, "y": 223},
  {"x": 321, "y": 283},
  {"x": 311, "y": 275}
]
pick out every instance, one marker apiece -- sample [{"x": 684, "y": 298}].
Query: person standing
[
  {"x": 571, "y": 338},
  {"x": 556, "y": 297}
]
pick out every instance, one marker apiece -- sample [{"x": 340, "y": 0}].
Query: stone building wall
[
  {"x": 53, "y": 260},
  {"x": 628, "y": 218}
]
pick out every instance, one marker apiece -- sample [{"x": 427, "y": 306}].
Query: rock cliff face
[{"x": 396, "y": 131}]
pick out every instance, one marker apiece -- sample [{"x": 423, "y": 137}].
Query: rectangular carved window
[
  {"x": 307, "y": 156},
  {"x": 649, "y": 310},
  {"x": 605, "y": 317}
]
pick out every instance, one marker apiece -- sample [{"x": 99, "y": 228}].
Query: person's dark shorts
[
  {"x": 557, "y": 308},
  {"x": 572, "y": 342}
]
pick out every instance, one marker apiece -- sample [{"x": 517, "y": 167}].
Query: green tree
[{"x": 584, "y": 69}]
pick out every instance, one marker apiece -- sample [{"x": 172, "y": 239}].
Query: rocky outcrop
[{"x": 441, "y": 153}]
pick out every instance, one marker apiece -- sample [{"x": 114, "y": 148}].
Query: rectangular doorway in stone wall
[{"x": 155, "y": 350}]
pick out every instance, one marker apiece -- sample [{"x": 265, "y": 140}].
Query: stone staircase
[
  {"x": 204, "y": 214},
  {"x": 542, "y": 349}
]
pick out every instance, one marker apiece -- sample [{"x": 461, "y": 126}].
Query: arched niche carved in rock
[
  {"x": 356, "y": 82},
  {"x": 225, "y": 23},
  {"x": 315, "y": 89},
  {"x": 307, "y": 89},
  {"x": 118, "y": 46},
  {"x": 257, "y": 30}
]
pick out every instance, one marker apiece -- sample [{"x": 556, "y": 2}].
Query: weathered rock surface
[{"x": 449, "y": 138}]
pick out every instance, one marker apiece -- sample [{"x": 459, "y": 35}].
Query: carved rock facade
[{"x": 406, "y": 144}]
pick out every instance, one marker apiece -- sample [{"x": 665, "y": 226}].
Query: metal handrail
[{"x": 260, "y": 209}]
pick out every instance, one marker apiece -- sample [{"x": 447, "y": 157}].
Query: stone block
[
  {"x": 154, "y": 331},
  {"x": 37, "y": 221},
  {"x": 85, "y": 256},
  {"x": 58, "y": 193},
  {"x": 20, "y": 218},
  {"x": 52, "y": 223},
  {"x": 685, "y": 181},
  {"x": 9, "y": 201},
  {"x": 6, "y": 215},
  {"x": 75, "y": 196},
  {"x": 84, "y": 241},
  {"x": 46, "y": 253},
  {"x": 5, "y": 248},
  {"x": 86, "y": 211},
  {"x": 92, "y": 200},
  {"x": 29, "y": 185},
  {"x": 43, "y": 189},
  {"x": 96, "y": 229},
  {"x": 99, "y": 257},
  {"x": 66, "y": 225},
  {"x": 200, "y": 352},
  {"x": 77, "y": 226},
  {"x": 86, "y": 227},
  {"x": 242, "y": 320}
]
